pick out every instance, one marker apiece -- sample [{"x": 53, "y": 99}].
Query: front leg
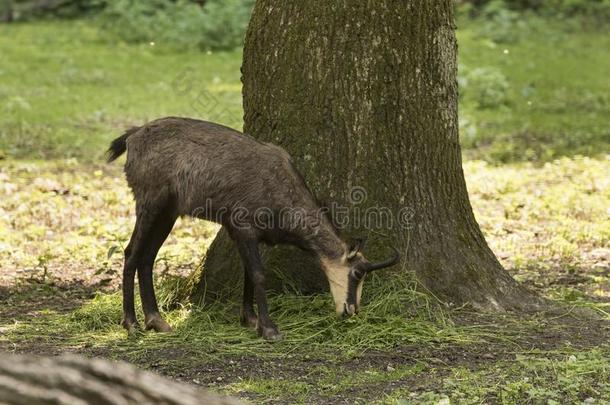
[
  {"x": 248, "y": 316},
  {"x": 248, "y": 249}
]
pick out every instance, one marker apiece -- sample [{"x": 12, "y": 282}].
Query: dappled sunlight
[
  {"x": 549, "y": 224},
  {"x": 533, "y": 101},
  {"x": 71, "y": 221},
  {"x": 64, "y": 220}
]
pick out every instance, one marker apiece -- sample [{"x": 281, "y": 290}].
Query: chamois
[{"x": 187, "y": 167}]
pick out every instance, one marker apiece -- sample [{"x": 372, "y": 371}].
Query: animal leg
[
  {"x": 248, "y": 316},
  {"x": 163, "y": 225},
  {"x": 133, "y": 255},
  {"x": 129, "y": 321},
  {"x": 250, "y": 254}
]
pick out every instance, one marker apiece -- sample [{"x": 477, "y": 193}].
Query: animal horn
[{"x": 386, "y": 263}]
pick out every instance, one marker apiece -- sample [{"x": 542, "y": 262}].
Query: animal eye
[{"x": 357, "y": 273}]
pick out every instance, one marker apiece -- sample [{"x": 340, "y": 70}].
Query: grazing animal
[{"x": 181, "y": 166}]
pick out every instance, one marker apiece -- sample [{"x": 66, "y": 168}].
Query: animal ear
[{"x": 355, "y": 246}]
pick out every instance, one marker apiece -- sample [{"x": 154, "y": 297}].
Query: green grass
[
  {"x": 308, "y": 322},
  {"x": 323, "y": 358},
  {"x": 65, "y": 93},
  {"x": 542, "y": 378},
  {"x": 66, "y": 90},
  {"x": 557, "y": 99},
  {"x": 59, "y": 293},
  {"x": 534, "y": 95}
]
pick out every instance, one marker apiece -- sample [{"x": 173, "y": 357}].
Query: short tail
[{"x": 119, "y": 145}]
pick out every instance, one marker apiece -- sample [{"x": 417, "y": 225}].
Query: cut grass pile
[{"x": 395, "y": 315}]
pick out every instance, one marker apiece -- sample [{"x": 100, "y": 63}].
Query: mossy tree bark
[{"x": 364, "y": 96}]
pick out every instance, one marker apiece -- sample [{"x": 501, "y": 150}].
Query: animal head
[{"x": 346, "y": 276}]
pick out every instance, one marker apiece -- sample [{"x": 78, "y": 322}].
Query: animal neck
[{"x": 326, "y": 242}]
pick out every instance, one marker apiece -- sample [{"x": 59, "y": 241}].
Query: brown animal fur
[{"x": 182, "y": 166}]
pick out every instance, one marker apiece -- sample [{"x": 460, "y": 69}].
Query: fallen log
[{"x": 30, "y": 380}]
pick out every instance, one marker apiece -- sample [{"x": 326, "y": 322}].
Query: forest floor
[
  {"x": 63, "y": 226},
  {"x": 534, "y": 102}
]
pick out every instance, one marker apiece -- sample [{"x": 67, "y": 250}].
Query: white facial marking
[
  {"x": 359, "y": 292},
  {"x": 337, "y": 274}
]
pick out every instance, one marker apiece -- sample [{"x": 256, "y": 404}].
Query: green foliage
[
  {"x": 225, "y": 23},
  {"x": 178, "y": 24},
  {"x": 500, "y": 24},
  {"x": 599, "y": 9},
  {"x": 487, "y": 86},
  {"x": 549, "y": 95},
  {"x": 220, "y": 24},
  {"x": 162, "y": 22},
  {"x": 36, "y": 9}
]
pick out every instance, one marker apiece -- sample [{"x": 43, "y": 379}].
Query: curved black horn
[{"x": 386, "y": 263}]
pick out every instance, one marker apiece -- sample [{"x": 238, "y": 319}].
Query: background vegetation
[
  {"x": 534, "y": 108},
  {"x": 532, "y": 88}
]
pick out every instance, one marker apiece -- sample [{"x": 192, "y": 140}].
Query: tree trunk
[
  {"x": 75, "y": 380},
  {"x": 364, "y": 96}
]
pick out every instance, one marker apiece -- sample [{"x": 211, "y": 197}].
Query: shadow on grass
[
  {"x": 400, "y": 339},
  {"x": 535, "y": 147},
  {"x": 29, "y": 299}
]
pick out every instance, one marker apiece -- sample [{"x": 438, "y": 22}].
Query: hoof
[
  {"x": 249, "y": 321},
  {"x": 270, "y": 334},
  {"x": 158, "y": 324},
  {"x": 132, "y": 327}
]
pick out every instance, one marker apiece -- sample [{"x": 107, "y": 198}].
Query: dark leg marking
[
  {"x": 129, "y": 321},
  {"x": 250, "y": 255},
  {"x": 248, "y": 316},
  {"x": 163, "y": 224},
  {"x": 133, "y": 255}
]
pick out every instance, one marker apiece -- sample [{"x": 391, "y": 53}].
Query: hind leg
[
  {"x": 129, "y": 321},
  {"x": 163, "y": 224},
  {"x": 133, "y": 256}
]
